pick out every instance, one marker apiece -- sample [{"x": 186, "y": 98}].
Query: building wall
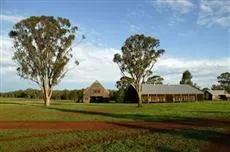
[
  {"x": 94, "y": 92},
  {"x": 171, "y": 98}
]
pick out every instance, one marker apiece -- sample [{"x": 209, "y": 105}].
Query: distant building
[
  {"x": 168, "y": 93},
  {"x": 216, "y": 95},
  {"x": 95, "y": 93}
]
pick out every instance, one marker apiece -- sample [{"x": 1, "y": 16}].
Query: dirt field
[{"x": 138, "y": 128}]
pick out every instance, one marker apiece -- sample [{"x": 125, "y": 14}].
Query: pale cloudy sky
[{"x": 195, "y": 35}]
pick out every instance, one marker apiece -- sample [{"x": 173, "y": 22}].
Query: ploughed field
[{"x": 26, "y": 125}]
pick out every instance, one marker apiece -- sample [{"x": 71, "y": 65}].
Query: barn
[
  {"x": 216, "y": 95},
  {"x": 170, "y": 93},
  {"x": 95, "y": 93}
]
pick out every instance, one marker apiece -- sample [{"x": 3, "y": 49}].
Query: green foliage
[
  {"x": 217, "y": 87},
  {"x": 120, "y": 95},
  {"x": 42, "y": 49},
  {"x": 156, "y": 79},
  {"x": 186, "y": 78},
  {"x": 205, "y": 89},
  {"x": 28, "y": 93},
  {"x": 124, "y": 82},
  {"x": 224, "y": 81},
  {"x": 139, "y": 54},
  {"x": 73, "y": 95}
]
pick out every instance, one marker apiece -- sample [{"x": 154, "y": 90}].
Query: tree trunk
[
  {"x": 138, "y": 89},
  {"x": 140, "y": 99},
  {"x": 47, "y": 101},
  {"x": 47, "y": 92}
]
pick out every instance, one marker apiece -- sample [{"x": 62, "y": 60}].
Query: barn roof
[
  {"x": 169, "y": 89},
  {"x": 218, "y": 92},
  {"x": 96, "y": 84}
]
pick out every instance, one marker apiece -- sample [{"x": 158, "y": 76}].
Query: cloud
[
  {"x": 10, "y": 18},
  {"x": 182, "y": 6},
  {"x": 139, "y": 13},
  {"x": 204, "y": 71},
  {"x": 134, "y": 28},
  {"x": 176, "y": 9},
  {"x": 96, "y": 64},
  {"x": 175, "y": 19},
  {"x": 6, "y": 53},
  {"x": 214, "y": 12}
]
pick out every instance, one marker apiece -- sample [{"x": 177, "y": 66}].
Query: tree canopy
[
  {"x": 224, "y": 82},
  {"x": 156, "y": 79},
  {"x": 42, "y": 50},
  {"x": 139, "y": 55},
  {"x": 186, "y": 78},
  {"x": 124, "y": 82}
]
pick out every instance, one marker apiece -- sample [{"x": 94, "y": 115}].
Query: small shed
[
  {"x": 95, "y": 93},
  {"x": 216, "y": 95}
]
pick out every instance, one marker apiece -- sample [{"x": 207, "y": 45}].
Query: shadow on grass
[
  {"x": 165, "y": 149},
  {"x": 189, "y": 133},
  {"x": 201, "y": 122}
]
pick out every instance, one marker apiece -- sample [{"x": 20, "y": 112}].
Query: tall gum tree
[
  {"x": 224, "y": 81},
  {"x": 137, "y": 59},
  {"x": 42, "y": 50},
  {"x": 186, "y": 78}
]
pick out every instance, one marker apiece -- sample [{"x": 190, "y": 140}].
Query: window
[{"x": 97, "y": 91}]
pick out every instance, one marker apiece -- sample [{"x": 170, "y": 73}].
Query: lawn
[{"x": 27, "y": 125}]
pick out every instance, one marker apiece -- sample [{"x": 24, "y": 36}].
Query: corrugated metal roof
[
  {"x": 218, "y": 92},
  {"x": 169, "y": 89}
]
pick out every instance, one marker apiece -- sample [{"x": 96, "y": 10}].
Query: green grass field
[{"x": 199, "y": 126}]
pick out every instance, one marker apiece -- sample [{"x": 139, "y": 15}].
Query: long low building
[
  {"x": 217, "y": 95},
  {"x": 170, "y": 93}
]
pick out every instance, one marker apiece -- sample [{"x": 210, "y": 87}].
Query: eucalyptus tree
[
  {"x": 137, "y": 59},
  {"x": 124, "y": 82},
  {"x": 186, "y": 78},
  {"x": 43, "y": 49},
  {"x": 156, "y": 79},
  {"x": 224, "y": 81}
]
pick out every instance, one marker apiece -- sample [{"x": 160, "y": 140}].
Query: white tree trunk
[
  {"x": 138, "y": 89},
  {"x": 140, "y": 100},
  {"x": 47, "y": 91},
  {"x": 47, "y": 101}
]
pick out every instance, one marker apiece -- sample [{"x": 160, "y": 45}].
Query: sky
[{"x": 194, "y": 33}]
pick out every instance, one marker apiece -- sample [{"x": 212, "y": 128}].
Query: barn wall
[
  {"x": 95, "y": 91},
  {"x": 171, "y": 97}
]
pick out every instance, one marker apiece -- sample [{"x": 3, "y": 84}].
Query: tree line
[{"x": 75, "y": 95}]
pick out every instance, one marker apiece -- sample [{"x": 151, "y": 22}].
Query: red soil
[
  {"x": 133, "y": 125},
  {"x": 216, "y": 147},
  {"x": 87, "y": 125}
]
